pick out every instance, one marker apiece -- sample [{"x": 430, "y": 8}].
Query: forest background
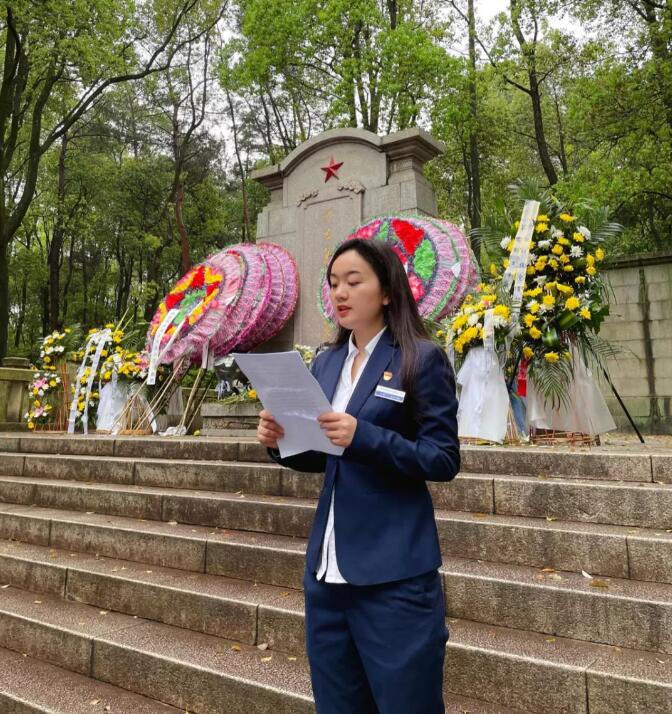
[{"x": 128, "y": 127}]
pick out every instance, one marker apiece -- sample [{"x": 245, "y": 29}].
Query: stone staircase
[{"x": 147, "y": 575}]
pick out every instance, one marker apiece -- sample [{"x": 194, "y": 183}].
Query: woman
[{"x": 375, "y": 619}]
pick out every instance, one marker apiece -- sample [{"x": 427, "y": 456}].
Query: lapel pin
[{"x": 387, "y": 376}]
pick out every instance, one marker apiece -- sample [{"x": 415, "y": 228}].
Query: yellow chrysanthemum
[
  {"x": 493, "y": 270},
  {"x": 549, "y": 300},
  {"x": 505, "y": 262},
  {"x": 252, "y": 394},
  {"x": 578, "y": 237},
  {"x": 534, "y": 333},
  {"x": 563, "y": 241},
  {"x": 564, "y": 259},
  {"x": 553, "y": 263},
  {"x": 541, "y": 227},
  {"x": 551, "y": 356},
  {"x": 557, "y": 249},
  {"x": 528, "y": 352},
  {"x": 533, "y": 292},
  {"x": 542, "y": 217},
  {"x": 529, "y": 319},
  {"x": 580, "y": 279},
  {"x": 591, "y": 270},
  {"x": 590, "y": 259},
  {"x": 585, "y": 313},
  {"x": 568, "y": 268},
  {"x": 502, "y": 310},
  {"x": 599, "y": 254},
  {"x": 531, "y": 270},
  {"x": 534, "y": 308},
  {"x": 572, "y": 303},
  {"x": 564, "y": 289},
  {"x": 566, "y": 217}
]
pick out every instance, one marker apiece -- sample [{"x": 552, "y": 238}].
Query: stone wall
[{"x": 640, "y": 324}]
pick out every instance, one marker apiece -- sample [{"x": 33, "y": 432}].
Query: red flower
[
  {"x": 417, "y": 287},
  {"x": 172, "y": 299},
  {"x": 198, "y": 279},
  {"x": 408, "y": 234}
]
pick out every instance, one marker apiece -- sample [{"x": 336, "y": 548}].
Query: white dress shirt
[{"x": 346, "y": 386}]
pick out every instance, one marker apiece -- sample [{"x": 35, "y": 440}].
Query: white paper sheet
[{"x": 289, "y": 391}]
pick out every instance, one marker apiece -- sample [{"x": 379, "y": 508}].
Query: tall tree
[{"x": 59, "y": 59}]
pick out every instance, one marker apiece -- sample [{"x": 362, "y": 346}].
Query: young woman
[{"x": 375, "y": 618}]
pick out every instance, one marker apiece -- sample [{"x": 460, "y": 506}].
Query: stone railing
[{"x": 15, "y": 375}]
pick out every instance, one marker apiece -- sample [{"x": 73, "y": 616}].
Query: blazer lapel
[
  {"x": 381, "y": 357},
  {"x": 332, "y": 370}
]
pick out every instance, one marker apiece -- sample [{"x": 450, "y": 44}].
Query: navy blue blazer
[{"x": 383, "y": 512}]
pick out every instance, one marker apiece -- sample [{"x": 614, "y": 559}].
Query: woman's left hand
[{"x": 339, "y": 427}]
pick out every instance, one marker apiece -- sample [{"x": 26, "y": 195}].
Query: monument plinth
[{"x": 324, "y": 189}]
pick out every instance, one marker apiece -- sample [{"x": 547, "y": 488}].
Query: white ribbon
[
  {"x": 517, "y": 268},
  {"x": 155, "y": 354},
  {"x": 100, "y": 339},
  {"x": 489, "y": 330}
]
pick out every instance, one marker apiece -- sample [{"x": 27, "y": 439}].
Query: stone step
[
  {"x": 613, "y": 611},
  {"x": 603, "y": 463},
  {"x": 639, "y": 554},
  {"x": 239, "y": 610},
  {"x": 541, "y": 673},
  {"x": 29, "y": 686},
  {"x": 609, "y": 610},
  {"x": 188, "y": 670},
  {"x": 610, "y": 503},
  {"x": 197, "y": 672}
]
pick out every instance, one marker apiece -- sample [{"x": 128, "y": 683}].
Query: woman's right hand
[{"x": 269, "y": 431}]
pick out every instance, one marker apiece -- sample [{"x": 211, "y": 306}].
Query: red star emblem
[{"x": 331, "y": 169}]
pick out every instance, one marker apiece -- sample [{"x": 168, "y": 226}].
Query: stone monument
[{"x": 324, "y": 189}]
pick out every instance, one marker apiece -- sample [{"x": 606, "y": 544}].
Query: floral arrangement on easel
[
  {"x": 47, "y": 392},
  {"x": 563, "y": 297}
]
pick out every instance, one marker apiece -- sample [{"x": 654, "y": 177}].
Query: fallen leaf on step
[
  {"x": 93, "y": 702},
  {"x": 285, "y": 594},
  {"x": 550, "y": 639},
  {"x": 103, "y": 612},
  {"x": 661, "y": 661},
  {"x": 599, "y": 584},
  {"x": 4, "y": 587},
  {"x": 263, "y": 646},
  {"x": 37, "y": 602},
  {"x": 292, "y": 659},
  {"x": 555, "y": 576},
  {"x": 235, "y": 648},
  {"x": 586, "y": 575},
  {"x": 90, "y": 513},
  {"x": 172, "y": 523},
  {"x": 479, "y": 515},
  {"x": 551, "y": 518},
  {"x": 548, "y": 570},
  {"x": 266, "y": 659},
  {"x": 543, "y": 477}
]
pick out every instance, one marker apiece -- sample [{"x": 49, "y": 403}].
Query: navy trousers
[{"x": 377, "y": 649}]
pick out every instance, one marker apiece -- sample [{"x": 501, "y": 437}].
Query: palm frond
[
  {"x": 552, "y": 379},
  {"x": 596, "y": 351},
  {"x": 533, "y": 190}
]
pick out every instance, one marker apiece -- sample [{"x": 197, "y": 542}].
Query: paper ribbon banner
[
  {"x": 99, "y": 339},
  {"x": 517, "y": 269}
]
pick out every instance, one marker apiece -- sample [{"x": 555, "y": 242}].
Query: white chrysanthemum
[
  {"x": 544, "y": 308},
  {"x": 531, "y": 258},
  {"x": 556, "y": 233},
  {"x": 540, "y": 280},
  {"x": 545, "y": 244},
  {"x": 504, "y": 242},
  {"x": 584, "y": 232},
  {"x": 473, "y": 319},
  {"x": 468, "y": 309},
  {"x": 499, "y": 321},
  {"x": 576, "y": 251}
]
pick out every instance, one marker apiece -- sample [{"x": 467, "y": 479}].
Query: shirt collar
[{"x": 369, "y": 347}]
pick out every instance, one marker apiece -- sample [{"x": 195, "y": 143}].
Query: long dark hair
[{"x": 401, "y": 315}]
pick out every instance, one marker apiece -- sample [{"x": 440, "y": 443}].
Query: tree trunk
[
  {"x": 246, "y": 218},
  {"x": 181, "y": 229},
  {"x": 57, "y": 240},
  {"x": 474, "y": 158},
  {"x": 542, "y": 146},
  {"x": 4, "y": 292}
]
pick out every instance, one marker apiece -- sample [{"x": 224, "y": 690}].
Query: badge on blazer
[
  {"x": 387, "y": 376},
  {"x": 396, "y": 395}
]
